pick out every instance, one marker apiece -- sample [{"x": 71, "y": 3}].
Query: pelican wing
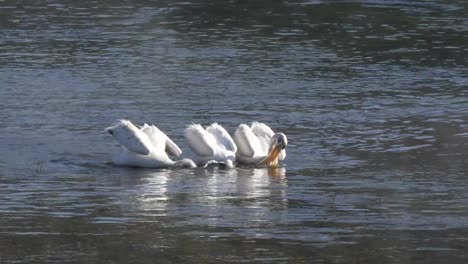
[
  {"x": 156, "y": 136},
  {"x": 200, "y": 142},
  {"x": 247, "y": 142},
  {"x": 172, "y": 148},
  {"x": 131, "y": 137},
  {"x": 222, "y": 137},
  {"x": 264, "y": 134},
  {"x": 160, "y": 140}
]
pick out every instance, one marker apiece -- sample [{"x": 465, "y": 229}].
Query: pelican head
[
  {"x": 278, "y": 144},
  {"x": 280, "y": 140}
]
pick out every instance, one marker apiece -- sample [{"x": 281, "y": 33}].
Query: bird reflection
[
  {"x": 260, "y": 182},
  {"x": 216, "y": 196},
  {"x": 277, "y": 172},
  {"x": 153, "y": 192}
]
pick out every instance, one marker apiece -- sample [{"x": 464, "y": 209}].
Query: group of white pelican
[{"x": 147, "y": 146}]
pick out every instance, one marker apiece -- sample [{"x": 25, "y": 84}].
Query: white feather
[
  {"x": 211, "y": 145},
  {"x": 160, "y": 140},
  {"x": 222, "y": 137},
  {"x": 157, "y": 138},
  {"x": 264, "y": 134},
  {"x": 200, "y": 142},
  {"x": 149, "y": 138},
  {"x": 254, "y": 143},
  {"x": 131, "y": 137},
  {"x": 282, "y": 155},
  {"x": 247, "y": 142},
  {"x": 154, "y": 159}
]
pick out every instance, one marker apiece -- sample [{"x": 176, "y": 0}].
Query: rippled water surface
[{"x": 372, "y": 95}]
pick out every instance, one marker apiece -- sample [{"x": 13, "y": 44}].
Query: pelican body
[
  {"x": 146, "y": 147},
  {"x": 211, "y": 145},
  {"x": 259, "y": 145}
]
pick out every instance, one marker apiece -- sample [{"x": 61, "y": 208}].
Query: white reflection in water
[
  {"x": 240, "y": 198},
  {"x": 213, "y": 196},
  {"x": 257, "y": 182},
  {"x": 152, "y": 194},
  {"x": 244, "y": 184}
]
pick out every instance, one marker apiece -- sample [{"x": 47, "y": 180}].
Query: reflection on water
[
  {"x": 214, "y": 197},
  {"x": 372, "y": 96}
]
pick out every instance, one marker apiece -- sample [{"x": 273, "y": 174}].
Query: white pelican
[
  {"x": 146, "y": 147},
  {"x": 259, "y": 145},
  {"x": 211, "y": 145}
]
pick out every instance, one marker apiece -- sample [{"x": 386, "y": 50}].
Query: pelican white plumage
[
  {"x": 211, "y": 145},
  {"x": 145, "y": 147},
  {"x": 259, "y": 145}
]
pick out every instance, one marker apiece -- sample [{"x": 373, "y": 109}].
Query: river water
[{"x": 371, "y": 94}]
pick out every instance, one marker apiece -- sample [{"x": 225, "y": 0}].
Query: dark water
[{"x": 372, "y": 95}]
